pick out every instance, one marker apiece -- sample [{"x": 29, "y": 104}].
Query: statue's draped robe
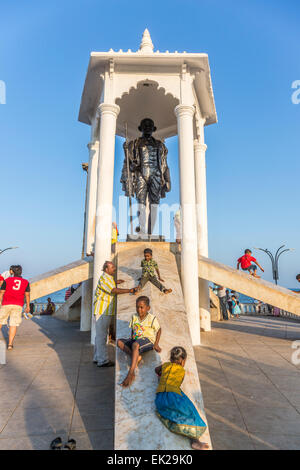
[{"x": 158, "y": 182}]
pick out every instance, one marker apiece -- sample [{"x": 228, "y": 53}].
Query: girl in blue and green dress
[
  {"x": 236, "y": 309},
  {"x": 173, "y": 407}
]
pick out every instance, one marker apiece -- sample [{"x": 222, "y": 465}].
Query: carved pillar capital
[
  {"x": 199, "y": 146},
  {"x": 93, "y": 145},
  {"x": 184, "y": 110},
  {"x": 105, "y": 108}
]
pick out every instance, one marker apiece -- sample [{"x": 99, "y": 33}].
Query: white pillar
[
  {"x": 91, "y": 197},
  {"x": 201, "y": 204},
  {"x": 90, "y": 219},
  {"x": 104, "y": 199},
  {"x": 86, "y": 305},
  {"x": 189, "y": 261}
]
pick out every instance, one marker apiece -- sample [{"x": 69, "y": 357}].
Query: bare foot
[
  {"x": 128, "y": 380},
  {"x": 139, "y": 360},
  {"x": 255, "y": 275},
  {"x": 137, "y": 290},
  {"x": 167, "y": 291},
  {"x": 198, "y": 445}
]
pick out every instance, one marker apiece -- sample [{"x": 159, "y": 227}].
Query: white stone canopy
[{"x": 146, "y": 84}]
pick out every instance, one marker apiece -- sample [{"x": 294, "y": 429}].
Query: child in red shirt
[
  {"x": 246, "y": 263},
  {"x": 13, "y": 291}
]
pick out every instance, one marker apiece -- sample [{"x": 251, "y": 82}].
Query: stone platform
[{"x": 145, "y": 238}]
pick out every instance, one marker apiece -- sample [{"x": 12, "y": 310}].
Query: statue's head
[{"x": 147, "y": 127}]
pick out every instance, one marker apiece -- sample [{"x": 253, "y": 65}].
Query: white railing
[
  {"x": 254, "y": 308},
  {"x": 40, "y": 306},
  {"x": 263, "y": 309}
]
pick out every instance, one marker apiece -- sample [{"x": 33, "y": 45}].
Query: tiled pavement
[
  {"x": 251, "y": 388},
  {"x": 49, "y": 386}
]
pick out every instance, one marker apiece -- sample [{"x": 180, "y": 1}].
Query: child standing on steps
[
  {"x": 145, "y": 336},
  {"x": 173, "y": 407},
  {"x": 149, "y": 271}
]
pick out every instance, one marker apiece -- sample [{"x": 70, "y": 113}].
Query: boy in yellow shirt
[{"x": 145, "y": 336}]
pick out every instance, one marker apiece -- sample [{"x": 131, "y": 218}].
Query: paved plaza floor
[
  {"x": 250, "y": 386},
  {"x": 50, "y": 387}
]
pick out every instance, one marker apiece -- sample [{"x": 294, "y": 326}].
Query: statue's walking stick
[{"x": 129, "y": 182}]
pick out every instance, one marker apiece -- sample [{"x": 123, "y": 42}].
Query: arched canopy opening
[{"x": 151, "y": 101}]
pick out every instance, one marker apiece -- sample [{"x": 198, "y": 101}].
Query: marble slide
[{"x": 136, "y": 424}]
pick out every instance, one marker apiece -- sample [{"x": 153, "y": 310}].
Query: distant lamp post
[
  {"x": 274, "y": 259},
  {"x": 9, "y": 248}
]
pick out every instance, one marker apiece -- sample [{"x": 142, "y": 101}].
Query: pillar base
[{"x": 205, "y": 323}]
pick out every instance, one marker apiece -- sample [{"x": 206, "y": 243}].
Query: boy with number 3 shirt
[{"x": 12, "y": 293}]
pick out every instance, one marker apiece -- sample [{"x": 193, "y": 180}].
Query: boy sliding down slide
[
  {"x": 245, "y": 262},
  {"x": 145, "y": 336}
]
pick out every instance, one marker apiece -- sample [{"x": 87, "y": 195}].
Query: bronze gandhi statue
[{"x": 149, "y": 177}]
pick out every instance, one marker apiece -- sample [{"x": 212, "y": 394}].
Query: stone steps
[{"x": 70, "y": 310}]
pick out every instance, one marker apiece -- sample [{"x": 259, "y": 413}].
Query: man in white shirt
[{"x": 222, "y": 298}]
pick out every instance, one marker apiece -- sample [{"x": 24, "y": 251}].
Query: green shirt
[{"x": 149, "y": 267}]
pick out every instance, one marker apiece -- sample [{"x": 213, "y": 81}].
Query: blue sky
[{"x": 253, "y": 151}]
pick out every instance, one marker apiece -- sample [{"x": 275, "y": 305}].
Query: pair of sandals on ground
[{"x": 57, "y": 444}]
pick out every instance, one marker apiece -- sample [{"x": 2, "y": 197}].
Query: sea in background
[
  {"x": 249, "y": 300},
  {"x": 244, "y": 299},
  {"x": 56, "y": 297},
  {"x": 59, "y": 297}
]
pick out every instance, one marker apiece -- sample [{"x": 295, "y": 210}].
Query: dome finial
[{"x": 146, "y": 46}]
